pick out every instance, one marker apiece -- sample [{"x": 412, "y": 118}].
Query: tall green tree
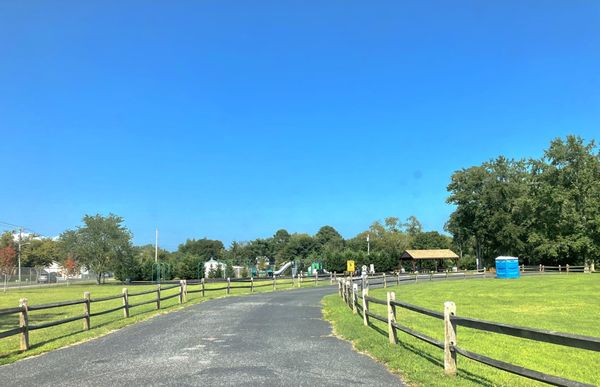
[
  {"x": 544, "y": 211},
  {"x": 100, "y": 245},
  {"x": 41, "y": 252},
  {"x": 431, "y": 240},
  {"x": 565, "y": 203},
  {"x": 328, "y": 238},
  {"x": 203, "y": 248}
]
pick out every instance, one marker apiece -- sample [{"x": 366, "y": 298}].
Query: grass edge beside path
[
  {"x": 327, "y": 312},
  {"x": 566, "y": 304},
  {"x": 147, "y": 312}
]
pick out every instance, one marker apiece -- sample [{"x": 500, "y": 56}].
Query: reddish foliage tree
[
  {"x": 70, "y": 265},
  {"x": 8, "y": 259}
]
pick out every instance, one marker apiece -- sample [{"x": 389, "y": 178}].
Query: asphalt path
[{"x": 270, "y": 339}]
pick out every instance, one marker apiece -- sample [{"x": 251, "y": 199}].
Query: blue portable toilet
[{"x": 507, "y": 267}]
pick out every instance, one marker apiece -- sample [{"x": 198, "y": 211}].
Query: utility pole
[
  {"x": 156, "y": 248},
  {"x": 368, "y": 245}
]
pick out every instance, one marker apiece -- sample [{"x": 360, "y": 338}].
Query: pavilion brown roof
[{"x": 429, "y": 254}]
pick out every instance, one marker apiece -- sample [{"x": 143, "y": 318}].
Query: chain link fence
[{"x": 33, "y": 277}]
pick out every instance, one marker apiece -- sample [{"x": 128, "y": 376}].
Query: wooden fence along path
[
  {"x": 348, "y": 290},
  {"x": 128, "y": 297},
  {"x": 554, "y": 269}
]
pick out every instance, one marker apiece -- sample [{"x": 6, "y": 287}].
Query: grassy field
[
  {"x": 565, "y": 303},
  {"x": 44, "y": 340}
]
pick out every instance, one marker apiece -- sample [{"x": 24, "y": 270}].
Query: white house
[{"x": 213, "y": 265}]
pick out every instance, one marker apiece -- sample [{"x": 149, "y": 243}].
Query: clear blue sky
[{"x": 231, "y": 119}]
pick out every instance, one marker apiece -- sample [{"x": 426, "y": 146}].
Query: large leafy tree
[
  {"x": 301, "y": 248},
  {"x": 489, "y": 206},
  {"x": 280, "y": 240},
  {"x": 328, "y": 238},
  {"x": 100, "y": 245},
  {"x": 565, "y": 202},
  {"x": 41, "y": 252},
  {"x": 545, "y": 210},
  {"x": 7, "y": 239},
  {"x": 431, "y": 240},
  {"x": 203, "y": 248}
]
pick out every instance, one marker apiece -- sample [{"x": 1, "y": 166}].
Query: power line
[{"x": 16, "y": 226}]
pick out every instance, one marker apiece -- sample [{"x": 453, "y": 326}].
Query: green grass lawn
[
  {"x": 565, "y": 303},
  {"x": 44, "y": 340}
]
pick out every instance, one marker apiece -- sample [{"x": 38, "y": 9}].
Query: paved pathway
[{"x": 274, "y": 339}]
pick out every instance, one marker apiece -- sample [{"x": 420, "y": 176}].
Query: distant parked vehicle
[{"x": 46, "y": 278}]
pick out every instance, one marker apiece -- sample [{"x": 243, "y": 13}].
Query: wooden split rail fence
[
  {"x": 398, "y": 278},
  {"x": 557, "y": 269},
  {"x": 348, "y": 290},
  {"x": 128, "y": 297}
]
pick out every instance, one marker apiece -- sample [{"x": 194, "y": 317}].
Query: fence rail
[
  {"x": 182, "y": 292},
  {"x": 348, "y": 291}
]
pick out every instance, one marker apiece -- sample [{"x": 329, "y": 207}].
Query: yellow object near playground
[{"x": 349, "y": 265}]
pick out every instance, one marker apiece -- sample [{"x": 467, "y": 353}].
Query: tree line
[
  {"x": 104, "y": 245},
  {"x": 544, "y": 210}
]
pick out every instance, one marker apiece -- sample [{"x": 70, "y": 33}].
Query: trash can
[{"x": 507, "y": 267}]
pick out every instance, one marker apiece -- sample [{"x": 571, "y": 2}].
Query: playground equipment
[
  {"x": 283, "y": 268},
  {"x": 315, "y": 267},
  {"x": 160, "y": 271}
]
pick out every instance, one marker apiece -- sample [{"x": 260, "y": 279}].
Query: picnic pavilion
[{"x": 419, "y": 256}]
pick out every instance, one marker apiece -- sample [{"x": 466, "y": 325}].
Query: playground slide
[{"x": 283, "y": 268}]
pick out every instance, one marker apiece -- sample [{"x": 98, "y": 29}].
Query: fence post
[
  {"x": 540, "y": 267},
  {"x": 392, "y": 335},
  {"x": 24, "y": 325},
  {"x": 158, "y": 296},
  {"x": 316, "y": 277},
  {"x": 398, "y": 279},
  {"x": 228, "y": 285},
  {"x": 365, "y": 293},
  {"x": 330, "y": 278},
  {"x": 384, "y": 281},
  {"x": 202, "y": 283},
  {"x": 348, "y": 295},
  {"x": 251, "y": 284},
  {"x": 567, "y": 268},
  {"x": 86, "y": 311},
  {"x": 340, "y": 288},
  {"x": 125, "y": 303},
  {"x": 559, "y": 269},
  {"x": 543, "y": 268},
  {"x": 449, "y": 338},
  {"x": 181, "y": 291},
  {"x": 354, "y": 290}
]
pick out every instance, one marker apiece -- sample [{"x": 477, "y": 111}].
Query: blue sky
[{"x": 231, "y": 119}]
